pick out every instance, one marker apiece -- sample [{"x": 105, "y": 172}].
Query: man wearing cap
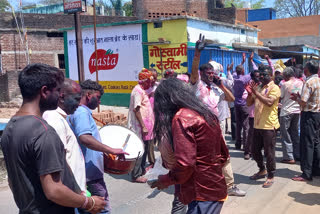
[{"x": 141, "y": 120}]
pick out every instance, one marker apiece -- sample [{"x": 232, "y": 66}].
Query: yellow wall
[{"x": 173, "y": 54}]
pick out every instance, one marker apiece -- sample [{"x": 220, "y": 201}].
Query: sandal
[
  {"x": 258, "y": 176},
  {"x": 300, "y": 178},
  {"x": 268, "y": 183}
]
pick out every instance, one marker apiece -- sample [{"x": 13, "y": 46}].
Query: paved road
[{"x": 284, "y": 197}]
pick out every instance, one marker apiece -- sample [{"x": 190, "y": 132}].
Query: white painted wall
[{"x": 220, "y": 33}]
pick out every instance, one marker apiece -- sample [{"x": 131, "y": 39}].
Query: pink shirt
[
  {"x": 140, "y": 98},
  {"x": 207, "y": 95}
]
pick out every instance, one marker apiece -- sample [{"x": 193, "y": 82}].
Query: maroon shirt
[{"x": 200, "y": 153}]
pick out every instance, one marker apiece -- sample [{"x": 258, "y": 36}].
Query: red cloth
[
  {"x": 200, "y": 153},
  {"x": 145, "y": 74}
]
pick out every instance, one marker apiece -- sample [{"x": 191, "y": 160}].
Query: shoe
[
  {"x": 140, "y": 180},
  {"x": 235, "y": 191},
  {"x": 247, "y": 157},
  {"x": 238, "y": 147},
  {"x": 268, "y": 183},
  {"x": 259, "y": 175},
  {"x": 288, "y": 161},
  {"x": 301, "y": 178}
]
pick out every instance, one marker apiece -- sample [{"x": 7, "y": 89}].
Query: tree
[
  {"x": 127, "y": 7},
  {"x": 257, "y": 4},
  {"x": 117, "y": 5},
  {"x": 4, "y": 5},
  {"x": 296, "y": 8},
  {"x": 50, "y": 2},
  {"x": 236, "y": 3}
]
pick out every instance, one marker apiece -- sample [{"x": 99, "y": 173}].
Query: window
[
  {"x": 243, "y": 31},
  {"x": 54, "y": 34},
  {"x": 157, "y": 25},
  {"x": 61, "y": 61}
]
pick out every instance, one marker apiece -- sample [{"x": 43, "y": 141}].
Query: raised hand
[
  {"x": 243, "y": 58},
  {"x": 251, "y": 56},
  {"x": 200, "y": 44},
  {"x": 266, "y": 56},
  {"x": 230, "y": 67}
]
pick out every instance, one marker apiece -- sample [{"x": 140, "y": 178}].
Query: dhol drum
[{"x": 119, "y": 137}]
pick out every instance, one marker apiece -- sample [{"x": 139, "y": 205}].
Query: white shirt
[{"x": 74, "y": 156}]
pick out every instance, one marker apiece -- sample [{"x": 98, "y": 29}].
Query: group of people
[
  {"x": 54, "y": 154},
  {"x": 190, "y": 113}
]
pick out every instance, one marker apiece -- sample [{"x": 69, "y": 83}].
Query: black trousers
[
  {"x": 233, "y": 124},
  {"x": 242, "y": 121},
  {"x": 309, "y": 143},
  {"x": 265, "y": 139},
  {"x": 140, "y": 165}
]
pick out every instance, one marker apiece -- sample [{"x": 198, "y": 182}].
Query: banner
[
  {"x": 173, "y": 55},
  {"x": 119, "y": 60},
  {"x": 72, "y": 6}
]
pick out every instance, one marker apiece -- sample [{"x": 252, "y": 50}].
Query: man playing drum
[
  {"x": 69, "y": 98},
  {"x": 141, "y": 120},
  {"x": 85, "y": 128}
]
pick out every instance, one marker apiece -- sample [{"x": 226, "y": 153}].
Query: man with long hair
[{"x": 192, "y": 147}]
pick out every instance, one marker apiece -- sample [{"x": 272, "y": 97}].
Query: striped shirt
[{"x": 311, "y": 94}]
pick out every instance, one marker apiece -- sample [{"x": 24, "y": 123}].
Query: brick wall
[
  {"x": 227, "y": 15},
  {"x": 44, "y": 49},
  {"x": 9, "y": 86},
  {"x": 149, "y": 9},
  {"x": 290, "y": 27}
]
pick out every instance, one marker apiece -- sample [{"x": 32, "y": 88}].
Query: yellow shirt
[{"x": 266, "y": 117}]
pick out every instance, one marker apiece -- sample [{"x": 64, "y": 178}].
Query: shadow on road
[
  {"x": 169, "y": 191},
  {"x": 307, "y": 198}
]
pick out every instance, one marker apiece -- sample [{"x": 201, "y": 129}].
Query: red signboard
[{"x": 72, "y": 6}]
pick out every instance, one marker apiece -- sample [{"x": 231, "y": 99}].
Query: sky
[{"x": 15, "y": 3}]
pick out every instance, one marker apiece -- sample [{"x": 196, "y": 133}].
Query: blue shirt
[{"x": 81, "y": 122}]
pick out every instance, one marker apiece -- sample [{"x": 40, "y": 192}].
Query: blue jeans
[
  {"x": 205, "y": 207},
  {"x": 98, "y": 188}
]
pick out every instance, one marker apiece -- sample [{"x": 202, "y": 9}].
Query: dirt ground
[{"x": 7, "y": 112}]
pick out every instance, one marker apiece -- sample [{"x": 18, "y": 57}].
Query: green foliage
[
  {"x": 236, "y": 3},
  {"x": 296, "y": 8},
  {"x": 4, "y": 5},
  {"x": 257, "y": 4},
  {"x": 127, "y": 7}
]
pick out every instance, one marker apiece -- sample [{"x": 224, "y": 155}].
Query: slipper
[
  {"x": 257, "y": 176},
  {"x": 268, "y": 183},
  {"x": 300, "y": 178}
]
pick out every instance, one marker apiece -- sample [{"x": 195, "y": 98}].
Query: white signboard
[{"x": 119, "y": 51}]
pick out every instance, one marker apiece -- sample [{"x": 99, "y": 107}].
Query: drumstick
[{"x": 127, "y": 140}]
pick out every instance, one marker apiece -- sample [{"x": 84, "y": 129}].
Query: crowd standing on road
[{"x": 54, "y": 154}]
